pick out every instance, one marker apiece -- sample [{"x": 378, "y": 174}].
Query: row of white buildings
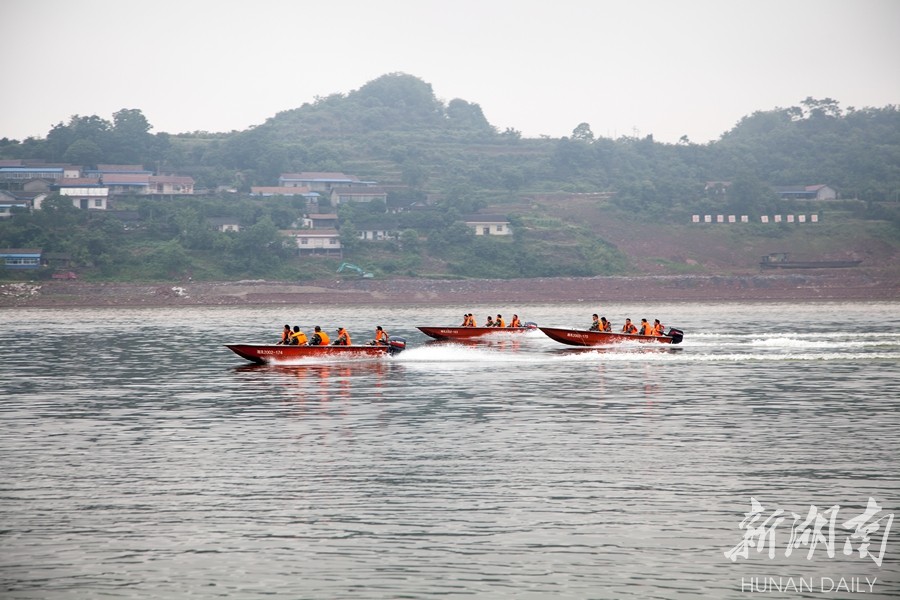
[{"x": 814, "y": 218}]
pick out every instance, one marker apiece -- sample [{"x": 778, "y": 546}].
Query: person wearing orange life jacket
[
  {"x": 285, "y": 336},
  {"x": 658, "y": 328},
  {"x": 343, "y": 338},
  {"x": 381, "y": 337},
  {"x": 645, "y": 328},
  {"x": 319, "y": 338},
  {"x": 465, "y": 322},
  {"x": 514, "y": 322},
  {"x": 499, "y": 322},
  {"x": 298, "y": 338},
  {"x": 471, "y": 322},
  {"x": 605, "y": 325},
  {"x": 595, "y": 323},
  {"x": 629, "y": 327}
]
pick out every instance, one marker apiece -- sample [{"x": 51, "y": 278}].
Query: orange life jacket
[
  {"x": 323, "y": 338},
  {"x": 470, "y": 322},
  {"x": 342, "y": 333},
  {"x": 659, "y": 329},
  {"x": 515, "y": 322},
  {"x": 646, "y": 328},
  {"x": 381, "y": 336},
  {"x": 499, "y": 323},
  {"x": 629, "y": 328}
]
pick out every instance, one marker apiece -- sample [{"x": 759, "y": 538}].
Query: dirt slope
[{"x": 680, "y": 247}]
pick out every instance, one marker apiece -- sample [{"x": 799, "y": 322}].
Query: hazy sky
[{"x": 628, "y": 67}]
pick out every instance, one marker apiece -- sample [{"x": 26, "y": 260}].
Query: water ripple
[{"x": 157, "y": 464}]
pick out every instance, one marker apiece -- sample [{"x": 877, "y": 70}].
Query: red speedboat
[
  {"x": 467, "y": 333},
  {"x": 583, "y": 337},
  {"x": 271, "y": 353}
]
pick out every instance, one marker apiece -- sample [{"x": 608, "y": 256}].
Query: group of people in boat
[
  {"x": 645, "y": 328},
  {"x": 293, "y": 336},
  {"x": 499, "y": 321}
]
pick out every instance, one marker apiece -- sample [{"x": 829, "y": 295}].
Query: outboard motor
[
  {"x": 530, "y": 325},
  {"x": 396, "y": 345},
  {"x": 676, "y": 334}
]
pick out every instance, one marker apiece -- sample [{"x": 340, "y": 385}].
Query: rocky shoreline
[{"x": 832, "y": 285}]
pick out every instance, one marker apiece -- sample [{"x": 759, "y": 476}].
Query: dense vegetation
[{"x": 393, "y": 130}]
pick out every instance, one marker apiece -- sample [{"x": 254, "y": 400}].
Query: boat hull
[
  {"x": 583, "y": 337},
  {"x": 271, "y": 353},
  {"x": 467, "y": 333}
]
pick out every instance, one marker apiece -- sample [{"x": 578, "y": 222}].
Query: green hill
[{"x": 579, "y": 205}]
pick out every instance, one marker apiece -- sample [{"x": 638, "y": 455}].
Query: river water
[{"x": 142, "y": 459}]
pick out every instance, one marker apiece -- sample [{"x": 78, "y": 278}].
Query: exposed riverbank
[{"x": 844, "y": 284}]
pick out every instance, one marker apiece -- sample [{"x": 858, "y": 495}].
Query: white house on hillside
[
  {"x": 316, "y": 241},
  {"x": 806, "y": 192},
  {"x": 85, "y": 192},
  {"x": 489, "y": 224}
]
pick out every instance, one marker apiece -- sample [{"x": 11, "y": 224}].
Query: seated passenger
[
  {"x": 381, "y": 337},
  {"x": 298, "y": 338},
  {"x": 645, "y": 328},
  {"x": 629, "y": 327},
  {"x": 514, "y": 322},
  {"x": 343, "y": 338},
  {"x": 595, "y": 323},
  {"x": 319, "y": 338}
]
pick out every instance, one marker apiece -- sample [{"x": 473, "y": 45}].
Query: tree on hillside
[
  {"x": 821, "y": 108},
  {"x": 60, "y": 137},
  {"x": 748, "y": 195},
  {"x": 91, "y": 140},
  {"x": 83, "y": 152},
  {"x": 130, "y": 137},
  {"x": 583, "y": 132},
  {"x": 465, "y": 115}
]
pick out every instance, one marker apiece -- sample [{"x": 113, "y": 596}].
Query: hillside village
[{"x": 28, "y": 184}]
